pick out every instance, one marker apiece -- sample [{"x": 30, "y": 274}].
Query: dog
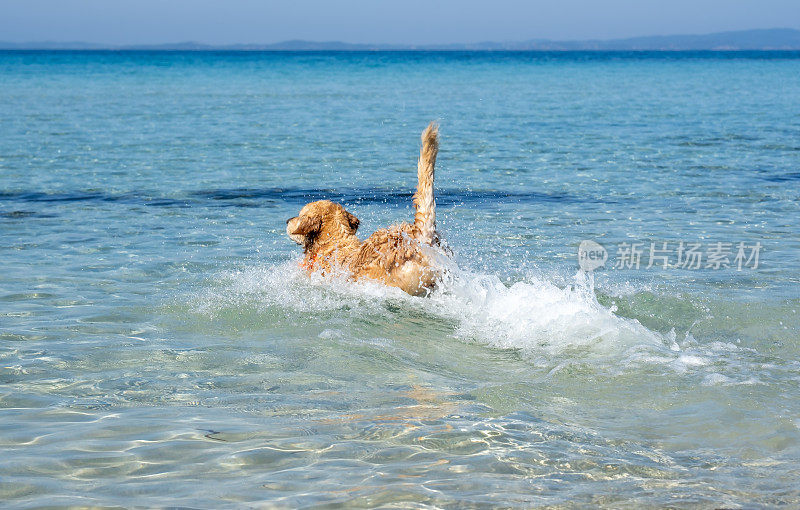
[{"x": 401, "y": 256}]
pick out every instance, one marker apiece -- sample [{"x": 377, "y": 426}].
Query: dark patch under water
[
  {"x": 18, "y": 215},
  {"x": 254, "y": 197}
]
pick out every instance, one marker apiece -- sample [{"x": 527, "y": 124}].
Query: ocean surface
[{"x": 159, "y": 346}]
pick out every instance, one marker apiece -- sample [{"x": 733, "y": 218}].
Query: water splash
[
  {"x": 533, "y": 314},
  {"x": 552, "y": 326}
]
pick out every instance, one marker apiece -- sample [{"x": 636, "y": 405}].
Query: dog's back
[
  {"x": 400, "y": 256},
  {"x": 397, "y": 254}
]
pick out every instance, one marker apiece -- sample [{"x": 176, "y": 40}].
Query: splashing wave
[{"x": 532, "y": 314}]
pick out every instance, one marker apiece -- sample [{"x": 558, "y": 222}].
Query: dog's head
[{"x": 321, "y": 221}]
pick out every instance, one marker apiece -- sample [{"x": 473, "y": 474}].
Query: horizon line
[{"x": 789, "y": 42}]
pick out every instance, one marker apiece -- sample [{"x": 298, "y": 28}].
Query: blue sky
[{"x": 376, "y": 21}]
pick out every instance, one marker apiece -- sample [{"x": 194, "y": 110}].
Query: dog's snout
[{"x": 287, "y": 221}]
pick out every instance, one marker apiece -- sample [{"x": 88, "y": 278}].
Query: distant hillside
[
  {"x": 767, "y": 39},
  {"x": 762, "y": 39}
]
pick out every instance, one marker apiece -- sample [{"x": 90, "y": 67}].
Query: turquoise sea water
[{"x": 159, "y": 346}]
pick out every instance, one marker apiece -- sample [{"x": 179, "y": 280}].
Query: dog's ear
[
  {"x": 352, "y": 220},
  {"x": 307, "y": 225}
]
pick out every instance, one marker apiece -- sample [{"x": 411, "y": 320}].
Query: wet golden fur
[{"x": 400, "y": 256}]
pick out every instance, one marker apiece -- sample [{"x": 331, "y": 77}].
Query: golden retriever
[{"x": 399, "y": 256}]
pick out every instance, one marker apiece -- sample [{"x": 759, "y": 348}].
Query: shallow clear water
[{"x": 159, "y": 347}]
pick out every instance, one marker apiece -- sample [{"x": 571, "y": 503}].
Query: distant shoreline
[
  {"x": 779, "y": 52},
  {"x": 773, "y": 40},
  {"x": 555, "y": 55}
]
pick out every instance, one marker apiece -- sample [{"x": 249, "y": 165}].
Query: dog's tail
[{"x": 424, "y": 203}]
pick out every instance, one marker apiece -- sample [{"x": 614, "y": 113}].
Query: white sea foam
[
  {"x": 536, "y": 314},
  {"x": 554, "y": 324},
  {"x": 533, "y": 314}
]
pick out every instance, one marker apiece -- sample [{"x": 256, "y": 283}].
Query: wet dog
[{"x": 400, "y": 256}]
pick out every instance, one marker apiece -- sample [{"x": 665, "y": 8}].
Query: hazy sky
[{"x": 378, "y": 21}]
